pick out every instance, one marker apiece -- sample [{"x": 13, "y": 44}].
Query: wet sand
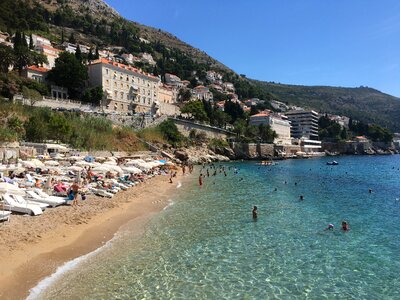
[{"x": 32, "y": 248}]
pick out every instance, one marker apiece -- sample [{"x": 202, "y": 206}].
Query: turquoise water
[{"x": 206, "y": 246}]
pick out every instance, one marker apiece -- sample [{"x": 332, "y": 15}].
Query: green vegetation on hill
[
  {"x": 39, "y": 124},
  {"x": 365, "y": 104}
]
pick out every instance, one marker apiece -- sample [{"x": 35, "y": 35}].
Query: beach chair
[
  {"x": 53, "y": 202},
  {"x": 11, "y": 204},
  {"x": 21, "y": 200},
  {"x": 46, "y": 196},
  {"x": 5, "y": 215}
]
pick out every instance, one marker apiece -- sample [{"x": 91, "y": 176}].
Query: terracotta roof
[
  {"x": 260, "y": 115},
  {"x": 122, "y": 66},
  {"x": 38, "y": 69}
]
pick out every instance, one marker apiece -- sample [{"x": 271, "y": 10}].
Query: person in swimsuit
[
  {"x": 254, "y": 212},
  {"x": 201, "y": 179},
  {"x": 345, "y": 226}
]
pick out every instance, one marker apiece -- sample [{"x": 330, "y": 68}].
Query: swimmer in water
[
  {"x": 201, "y": 179},
  {"x": 370, "y": 191},
  {"x": 330, "y": 227},
  {"x": 254, "y": 212},
  {"x": 345, "y": 226},
  {"x": 301, "y": 197}
]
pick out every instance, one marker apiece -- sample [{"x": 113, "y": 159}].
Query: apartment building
[
  {"x": 304, "y": 124},
  {"x": 202, "y": 93},
  {"x": 125, "y": 88},
  {"x": 278, "y": 123}
]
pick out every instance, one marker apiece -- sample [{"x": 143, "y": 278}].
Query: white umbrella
[
  {"x": 110, "y": 162},
  {"x": 51, "y": 163},
  {"x": 84, "y": 164},
  {"x": 113, "y": 168},
  {"x": 75, "y": 169},
  {"x": 101, "y": 169},
  {"x": 133, "y": 170},
  {"x": 75, "y": 158}
]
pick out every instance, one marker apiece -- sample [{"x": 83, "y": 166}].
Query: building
[
  {"x": 213, "y": 76},
  {"x": 71, "y": 48},
  {"x": 166, "y": 94},
  {"x": 278, "y": 123},
  {"x": 4, "y": 40},
  {"x": 38, "y": 40},
  {"x": 311, "y": 147},
  {"x": 50, "y": 52},
  {"x": 147, "y": 58},
  {"x": 229, "y": 87},
  {"x": 38, "y": 74},
  {"x": 173, "y": 80},
  {"x": 125, "y": 88},
  {"x": 129, "y": 58},
  {"x": 304, "y": 124},
  {"x": 202, "y": 93}
]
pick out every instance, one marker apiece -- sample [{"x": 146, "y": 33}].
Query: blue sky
[{"x": 309, "y": 42}]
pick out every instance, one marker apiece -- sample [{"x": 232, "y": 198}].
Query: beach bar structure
[{"x": 47, "y": 148}]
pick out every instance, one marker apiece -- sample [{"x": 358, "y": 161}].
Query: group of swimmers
[{"x": 345, "y": 226}]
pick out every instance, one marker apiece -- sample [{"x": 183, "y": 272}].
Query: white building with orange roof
[
  {"x": 125, "y": 88},
  {"x": 38, "y": 74},
  {"x": 50, "y": 52},
  {"x": 202, "y": 93}
]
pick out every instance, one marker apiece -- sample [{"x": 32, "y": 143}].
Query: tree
[
  {"x": 38, "y": 59},
  {"x": 33, "y": 95},
  {"x": 62, "y": 36},
  {"x": 72, "y": 39},
  {"x": 184, "y": 95},
  {"x": 22, "y": 57},
  {"x": 196, "y": 110},
  {"x": 96, "y": 55},
  {"x": 31, "y": 42},
  {"x": 59, "y": 127},
  {"x": 70, "y": 73},
  {"x": 170, "y": 132},
  {"x": 78, "y": 54},
  {"x": 6, "y": 58},
  {"x": 266, "y": 133},
  {"x": 94, "y": 95}
]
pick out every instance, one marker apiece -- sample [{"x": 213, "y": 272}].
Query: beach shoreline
[{"x": 25, "y": 264}]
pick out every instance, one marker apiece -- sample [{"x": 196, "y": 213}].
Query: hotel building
[
  {"x": 125, "y": 88},
  {"x": 304, "y": 124}
]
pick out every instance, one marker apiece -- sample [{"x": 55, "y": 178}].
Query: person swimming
[
  {"x": 254, "y": 212},
  {"x": 301, "y": 197},
  {"x": 345, "y": 226},
  {"x": 330, "y": 227}
]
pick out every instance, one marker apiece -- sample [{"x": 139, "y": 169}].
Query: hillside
[
  {"x": 95, "y": 23},
  {"x": 362, "y": 103}
]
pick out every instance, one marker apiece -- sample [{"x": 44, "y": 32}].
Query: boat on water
[{"x": 332, "y": 163}]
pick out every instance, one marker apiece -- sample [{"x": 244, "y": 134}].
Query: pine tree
[
  {"x": 90, "y": 55},
  {"x": 31, "y": 42},
  {"x": 97, "y": 56},
  {"x": 72, "y": 39},
  {"x": 62, "y": 36},
  {"x": 78, "y": 54}
]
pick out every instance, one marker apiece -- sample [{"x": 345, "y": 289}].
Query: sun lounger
[
  {"x": 22, "y": 200},
  {"x": 11, "y": 204},
  {"x": 46, "y": 196},
  {"x": 49, "y": 201},
  {"x": 102, "y": 193},
  {"x": 5, "y": 215}
]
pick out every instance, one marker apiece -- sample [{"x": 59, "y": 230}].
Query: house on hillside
[
  {"x": 50, "y": 52},
  {"x": 38, "y": 74},
  {"x": 202, "y": 93}
]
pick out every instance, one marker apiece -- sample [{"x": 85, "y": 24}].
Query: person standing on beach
[
  {"x": 201, "y": 179},
  {"x": 183, "y": 170},
  {"x": 75, "y": 192}
]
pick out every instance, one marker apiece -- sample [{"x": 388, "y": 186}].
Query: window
[
  {"x": 115, "y": 94},
  {"x": 122, "y": 95},
  {"x": 107, "y": 82},
  {"x": 107, "y": 71},
  {"x": 148, "y": 101}
]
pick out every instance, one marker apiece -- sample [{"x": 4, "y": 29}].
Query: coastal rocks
[
  {"x": 202, "y": 155},
  {"x": 181, "y": 155}
]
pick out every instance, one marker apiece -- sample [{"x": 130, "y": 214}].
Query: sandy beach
[{"x": 32, "y": 248}]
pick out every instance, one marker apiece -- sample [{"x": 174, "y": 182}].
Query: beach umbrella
[
  {"x": 110, "y": 162},
  {"x": 6, "y": 187},
  {"x": 84, "y": 164},
  {"x": 74, "y": 157},
  {"x": 75, "y": 169},
  {"x": 131, "y": 169},
  {"x": 51, "y": 163},
  {"x": 100, "y": 158},
  {"x": 113, "y": 168},
  {"x": 101, "y": 169}
]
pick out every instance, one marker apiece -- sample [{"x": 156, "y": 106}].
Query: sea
[{"x": 206, "y": 245}]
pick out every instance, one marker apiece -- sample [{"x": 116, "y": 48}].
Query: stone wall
[
  {"x": 168, "y": 109},
  {"x": 253, "y": 151},
  {"x": 185, "y": 127}
]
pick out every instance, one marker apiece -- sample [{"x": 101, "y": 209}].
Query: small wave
[
  {"x": 35, "y": 292},
  {"x": 179, "y": 185}
]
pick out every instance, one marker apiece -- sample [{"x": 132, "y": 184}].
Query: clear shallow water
[{"x": 206, "y": 246}]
